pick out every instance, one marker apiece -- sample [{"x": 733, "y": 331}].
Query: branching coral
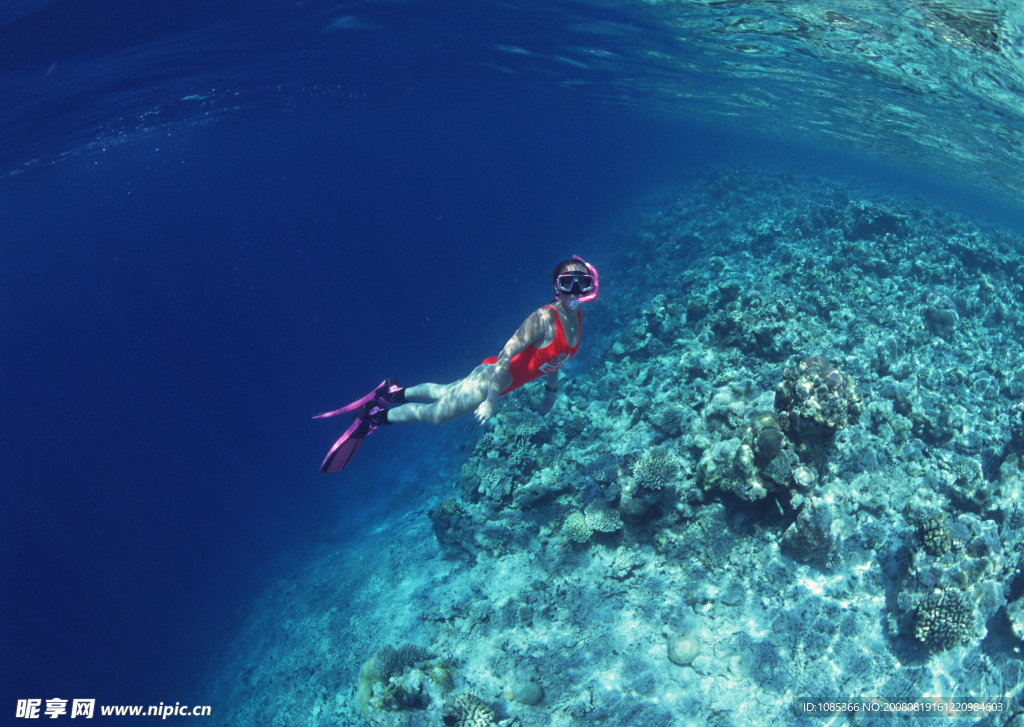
[
  {"x": 602, "y": 519},
  {"x": 389, "y": 661},
  {"x": 576, "y": 528},
  {"x": 656, "y": 468},
  {"x": 521, "y": 423},
  {"x": 468, "y": 710}
]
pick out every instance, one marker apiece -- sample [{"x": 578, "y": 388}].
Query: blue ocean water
[{"x": 218, "y": 219}]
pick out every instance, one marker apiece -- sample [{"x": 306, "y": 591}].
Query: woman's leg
[
  {"x": 425, "y": 392},
  {"x": 439, "y": 403}
]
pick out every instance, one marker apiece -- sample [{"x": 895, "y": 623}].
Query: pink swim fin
[
  {"x": 369, "y": 410},
  {"x": 381, "y": 392},
  {"x": 346, "y": 447}
]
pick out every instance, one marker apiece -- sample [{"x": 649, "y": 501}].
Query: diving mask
[
  {"x": 574, "y": 283},
  {"x": 586, "y": 284}
]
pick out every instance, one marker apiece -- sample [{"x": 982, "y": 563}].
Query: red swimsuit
[{"x": 532, "y": 362}]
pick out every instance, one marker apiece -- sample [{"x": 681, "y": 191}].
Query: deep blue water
[
  {"x": 177, "y": 305},
  {"x": 218, "y": 219}
]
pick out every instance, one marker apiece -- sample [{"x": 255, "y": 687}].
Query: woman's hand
[{"x": 485, "y": 411}]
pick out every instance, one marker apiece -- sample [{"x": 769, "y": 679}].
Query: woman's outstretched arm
[{"x": 537, "y": 327}]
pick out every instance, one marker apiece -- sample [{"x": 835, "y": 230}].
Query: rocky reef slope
[{"x": 787, "y": 469}]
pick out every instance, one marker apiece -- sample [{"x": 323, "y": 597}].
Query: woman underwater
[{"x": 548, "y": 338}]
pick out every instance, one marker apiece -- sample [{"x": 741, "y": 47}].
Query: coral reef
[
  {"x": 945, "y": 619},
  {"x": 656, "y": 468},
  {"x": 812, "y": 536},
  {"x": 389, "y": 661},
  {"x": 602, "y": 519},
  {"x": 715, "y": 521},
  {"x": 684, "y": 642},
  {"x": 935, "y": 535},
  {"x": 468, "y": 710},
  {"x": 814, "y": 401},
  {"x": 526, "y": 692},
  {"x": 941, "y": 313},
  {"x": 576, "y": 527}
]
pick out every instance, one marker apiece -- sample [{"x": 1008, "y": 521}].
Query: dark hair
[{"x": 562, "y": 265}]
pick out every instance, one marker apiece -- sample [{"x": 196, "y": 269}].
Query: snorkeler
[{"x": 540, "y": 346}]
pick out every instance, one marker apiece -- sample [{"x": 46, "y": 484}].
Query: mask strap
[{"x": 592, "y": 295}]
